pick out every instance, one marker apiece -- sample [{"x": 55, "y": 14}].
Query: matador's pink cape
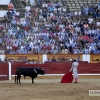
[{"x": 67, "y": 78}]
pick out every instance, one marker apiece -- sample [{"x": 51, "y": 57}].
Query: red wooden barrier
[
  {"x": 4, "y": 71},
  {"x": 61, "y": 67},
  {"x": 52, "y": 67}
]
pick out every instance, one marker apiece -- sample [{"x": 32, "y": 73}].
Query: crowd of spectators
[
  {"x": 92, "y": 10},
  {"x": 48, "y": 28}
]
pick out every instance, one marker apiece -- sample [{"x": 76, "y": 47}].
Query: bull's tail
[
  {"x": 15, "y": 78},
  {"x": 24, "y": 77}
]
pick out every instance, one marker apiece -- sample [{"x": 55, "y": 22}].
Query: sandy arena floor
[{"x": 48, "y": 89}]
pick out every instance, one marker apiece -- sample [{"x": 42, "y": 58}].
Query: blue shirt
[
  {"x": 50, "y": 9},
  {"x": 96, "y": 52}
]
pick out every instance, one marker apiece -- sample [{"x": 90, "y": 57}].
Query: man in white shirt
[
  {"x": 75, "y": 64},
  {"x": 23, "y": 22},
  {"x": 22, "y": 47},
  {"x": 17, "y": 13},
  {"x": 32, "y": 2},
  {"x": 90, "y": 20},
  {"x": 98, "y": 23},
  {"x": 76, "y": 13},
  {"x": 28, "y": 8},
  {"x": 45, "y": 5}
]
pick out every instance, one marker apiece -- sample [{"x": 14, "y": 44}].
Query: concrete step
[
  {"x": 19, "y": 7},
  {"x": 74, "y": 5}
]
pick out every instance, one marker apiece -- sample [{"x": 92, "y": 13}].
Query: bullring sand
[{"x": 49, "y": 89}]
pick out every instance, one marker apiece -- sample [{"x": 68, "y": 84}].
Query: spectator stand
[{"x": 47, "y": 28}]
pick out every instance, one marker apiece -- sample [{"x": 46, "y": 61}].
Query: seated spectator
[
  {"x": 32, "y": 61},
  {"x": 18, "y": 60},
  {"x": 48, "y": 59},
  {"x": 53, "y": 59},
  {"x": 28, "y": 62},
  {"x": 23, "y": 2},
  {"x": 86, "y": 10},
  {"x": 44, "y": 5}
]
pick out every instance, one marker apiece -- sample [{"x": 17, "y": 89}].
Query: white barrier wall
[
  {"x": 4, "y": 2},
  {"x": 3, "y": 13},
  {"x": 86, "y": 57},
  {"x": 44, "y": 58},
  {"x": 2, "y": 57}
]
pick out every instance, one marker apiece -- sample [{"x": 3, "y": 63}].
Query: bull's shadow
[{"x": 31, "y": 72}]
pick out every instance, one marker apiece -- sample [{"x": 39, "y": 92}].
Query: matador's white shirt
[{"x": 74, "y": 66}]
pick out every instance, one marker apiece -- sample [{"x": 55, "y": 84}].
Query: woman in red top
[
  {"x": 86, "y": 38},
  {"x": 10, "y": 6}
]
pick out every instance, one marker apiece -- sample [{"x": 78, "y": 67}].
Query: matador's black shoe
[{"x": 75, "y": 82}]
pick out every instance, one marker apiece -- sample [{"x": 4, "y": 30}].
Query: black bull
[{"x": 31, "y": 72}]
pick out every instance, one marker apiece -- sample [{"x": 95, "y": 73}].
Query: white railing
[
  {"x": 5, "y": 2},
  {"x": 3, "y": 13}
]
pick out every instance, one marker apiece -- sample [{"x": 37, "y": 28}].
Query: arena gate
[{"x": 5, "y": 71}]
